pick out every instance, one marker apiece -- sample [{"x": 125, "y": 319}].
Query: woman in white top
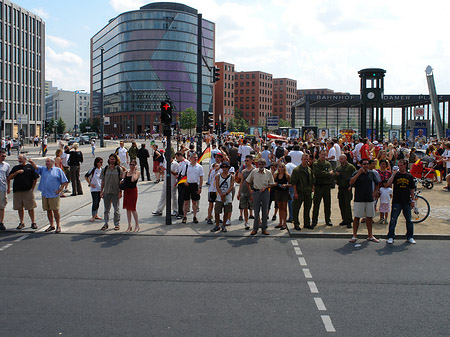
[{"x": 94, "y": 180}]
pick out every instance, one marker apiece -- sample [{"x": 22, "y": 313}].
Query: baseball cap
[{"x": 225, "y": 164}]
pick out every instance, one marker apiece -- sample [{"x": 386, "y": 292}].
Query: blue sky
[{"x": 321, "y": 43}]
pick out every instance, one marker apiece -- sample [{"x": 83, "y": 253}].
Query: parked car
[
  {"x": 80, "y": 140},
  {"x": 106, "y": 137},
  {"x": 90, "y": 135},
  {"x": 15, "y": 144}
]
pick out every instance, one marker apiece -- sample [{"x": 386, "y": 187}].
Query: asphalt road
[{"x": 124, "y": 285}]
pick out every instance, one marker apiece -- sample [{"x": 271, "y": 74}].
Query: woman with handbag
[
  {"x": 130, "y": 194},
  {"x": 282, "y": 196}
]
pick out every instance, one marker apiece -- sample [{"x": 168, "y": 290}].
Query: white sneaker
[
  {"x": 411, "y": 240},
  {"x": 246, "y": 226},
  {"x": 228, "y": 222},
  {"x": 390, "y": 241}
]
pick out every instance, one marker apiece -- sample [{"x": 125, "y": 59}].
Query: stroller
[{"x": 423, "y": 174}]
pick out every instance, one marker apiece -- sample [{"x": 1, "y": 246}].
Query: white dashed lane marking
[
  {"x": 302, "y": 261},
  {"x": 319, "y": 303},
  {"x": 313, "y": 288},
  {"x": 16, "y": 240},
  {"x": 307, "y": 273},
  {"x": 5, "y": 247},
  {"x": 328, "y": 324}
]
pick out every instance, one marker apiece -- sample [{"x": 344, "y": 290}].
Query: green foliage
[
  {"x": 87, "y": 126},
  {"x": 50, "y": 126},
  {"x": 60, "y": 126},
  {"x": 188, "y": 119},
  {"x": 237, "y": 125},
  {"x": 283, "y": 123},
  {"x": 83, "y": 124},
  {"x": 263, "y": 125}
]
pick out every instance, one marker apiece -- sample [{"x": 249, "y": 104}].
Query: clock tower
[{"x": 372, "y": 90}]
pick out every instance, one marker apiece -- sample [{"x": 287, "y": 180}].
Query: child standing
[{"x": 385, "y": 201}]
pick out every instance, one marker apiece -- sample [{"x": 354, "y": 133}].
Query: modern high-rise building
[
  {"x": 284, "y": 95},
  {"x": 22, "y": 71},
  {"x": 150, "y": 55},
  {"x": 49, "y": 88},
  {"x": 253, "y": 96},
  {"x": 224, "y": 93},
  {"x": 72, "y": 107}
]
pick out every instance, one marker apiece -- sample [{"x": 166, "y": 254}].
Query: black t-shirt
[
  {"x": 24, "y": 181},
  {"x": 364, "y": 186},
  {"x": 403, "y": 183}
]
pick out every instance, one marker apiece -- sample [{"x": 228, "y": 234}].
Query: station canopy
[{"x": 352, "y": 101}]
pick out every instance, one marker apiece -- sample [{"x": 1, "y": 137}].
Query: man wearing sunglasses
[{"x": 363, "y": 206}]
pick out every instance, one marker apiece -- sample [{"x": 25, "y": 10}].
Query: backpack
[
  {"x": 279, "y": 152},
  {"x": 401, "y": 155},
  {"x": 90, "y": 173}
]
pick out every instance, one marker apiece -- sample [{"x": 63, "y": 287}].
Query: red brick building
[
  {"x": 253, "y": 95},
  {"x": 284, "y": 95},
  {"x": 224, "y": 93}
]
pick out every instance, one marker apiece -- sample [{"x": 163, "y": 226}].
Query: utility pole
[{"x": 199, "y": 85}]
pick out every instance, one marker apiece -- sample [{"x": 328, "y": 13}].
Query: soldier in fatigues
[
  {"x": 302, "y": 181},
  {"x": 343, "y": 176},
  {"x": 324, "y": 178}
]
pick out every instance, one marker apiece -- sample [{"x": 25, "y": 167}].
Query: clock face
[{"x": 370, "y": 95}]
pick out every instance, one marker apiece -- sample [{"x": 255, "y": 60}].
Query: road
[{"x": 126, "y": 285}]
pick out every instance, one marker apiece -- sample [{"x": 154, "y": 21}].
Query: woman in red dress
[{"x": 131, "y": 194}]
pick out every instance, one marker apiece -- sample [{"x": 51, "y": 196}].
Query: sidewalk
[{"x": 76, "y": 212}]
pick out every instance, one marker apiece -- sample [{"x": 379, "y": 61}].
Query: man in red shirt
[{"x": 365, "y": 154}]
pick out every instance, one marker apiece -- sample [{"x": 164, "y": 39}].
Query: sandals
[
  {"x": 116, "y": 228},
  {"x": 373, "y": 239},
  {"x": 184, "y": 220},
  {"x": 353, "y": 239},
  {"x": 104, "y": 228},
  {"x": 49, "y": 229},
  {"x": 21, "y": 226},
  {"x": 34, "y": 226},
  {"x": 58, "y": 230}
]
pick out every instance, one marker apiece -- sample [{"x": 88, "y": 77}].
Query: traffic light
[
  {"x": 166, "y": 112},
  {"x": 223, "y": 127},
  {"x": 207, "y": 120},
  {"x": 216, "y": 74},
  {"x": 216, "y": 127}
]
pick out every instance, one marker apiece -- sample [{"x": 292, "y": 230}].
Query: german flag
[
  {"x": 182, "y": 180},
  {"x": 205, "y": 154}
]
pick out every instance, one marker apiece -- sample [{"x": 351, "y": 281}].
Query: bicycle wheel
[{"x": 421, "y": 210}]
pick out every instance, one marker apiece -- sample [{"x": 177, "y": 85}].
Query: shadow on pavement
[
  {"x": 390, "y": 249},
  {"x": 350, "y": 248}
]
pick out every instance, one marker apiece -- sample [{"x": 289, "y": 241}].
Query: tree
[
  {"x": 84, "y": 124},
  {"x": 283, "y": 123},
  {"x": 60, "y": 126},
  {"x": 237, "y": 125},
  {"x": 188, "y": 119},
  {"x": 50, "y": 126}
]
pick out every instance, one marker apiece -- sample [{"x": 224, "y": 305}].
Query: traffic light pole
[{"x": 167, "y": 131}]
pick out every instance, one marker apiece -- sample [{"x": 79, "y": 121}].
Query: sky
[{"x": 320, "y": 43}]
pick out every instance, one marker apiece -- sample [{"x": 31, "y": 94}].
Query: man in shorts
[
  {"x": 243, "y": 196},
  {"x": 366, "y": 186},
  {"x": 224, "y": 185},
  {"x": 53, "y": 181},
  {"x": 193, "y": 186},
  {"x": 25, "y": 178},
  {"x": 4, "y": 186}
]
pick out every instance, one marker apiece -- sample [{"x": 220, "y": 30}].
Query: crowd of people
[{"x": 282, "y": 175}]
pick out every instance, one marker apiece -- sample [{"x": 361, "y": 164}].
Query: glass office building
[
  {"x": 150, "y": 55},
  {"x": 22, "y": 68}
]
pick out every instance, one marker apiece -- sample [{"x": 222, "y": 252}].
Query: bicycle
[{"x": 421, "y": 209}]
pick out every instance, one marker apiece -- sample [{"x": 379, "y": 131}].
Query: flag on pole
[{"x": 205, "y": 154}]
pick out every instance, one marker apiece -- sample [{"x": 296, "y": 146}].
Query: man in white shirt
[
  {"x": 244, "y": 150},
  {"x": 296, "y": 156},
  {"x": 181, "y": 172},
  {"x": 331, "y": 157},
  {"x": 290, "y": 166},
  {"x": 357, "y": 152},
  {"x": 193, "y": 187}
]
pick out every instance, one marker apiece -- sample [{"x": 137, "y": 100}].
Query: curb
[{"x": 316, "y": 235}]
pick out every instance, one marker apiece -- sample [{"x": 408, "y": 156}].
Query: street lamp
[{"x": 75, "y": 126}]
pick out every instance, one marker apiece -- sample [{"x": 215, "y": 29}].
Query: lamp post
[
  {"x": 75, "y": 126},
  {"x": 178, "y": 115}
]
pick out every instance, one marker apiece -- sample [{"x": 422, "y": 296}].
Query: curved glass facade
[{"x": 150, "y": 55}]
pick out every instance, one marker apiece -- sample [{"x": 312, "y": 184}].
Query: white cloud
[
  {"x": 67, "y": 70},
  {"x": 58, "y": 41},
  {"x": 41, "y": 12}
]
